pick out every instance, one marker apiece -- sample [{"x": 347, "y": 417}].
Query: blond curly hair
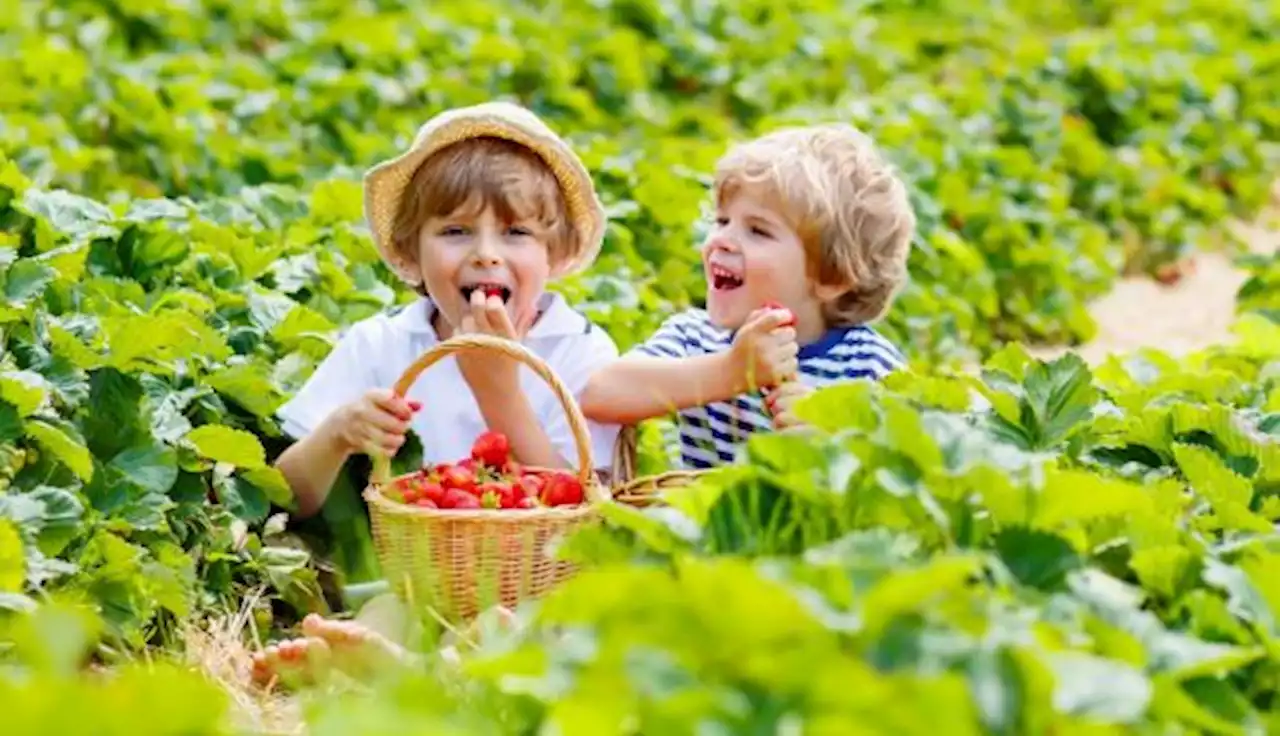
[{"x": 845, "y": 202}]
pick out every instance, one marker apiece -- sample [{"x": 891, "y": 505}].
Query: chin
[{"x": 724, "y": 317}]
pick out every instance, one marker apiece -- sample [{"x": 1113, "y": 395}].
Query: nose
[
  {"x": 718, "y": 242},
  {"x": 486, "y": 253}
]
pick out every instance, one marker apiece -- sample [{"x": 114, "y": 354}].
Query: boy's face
[
  {"x": 472, "y": 249},
  {"x": 752, "y": 256}
]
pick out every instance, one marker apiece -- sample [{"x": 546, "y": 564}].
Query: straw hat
[{"x": 384, "y": 184}]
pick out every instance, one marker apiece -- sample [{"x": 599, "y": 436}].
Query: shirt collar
[{"x": 558, "y": 319}]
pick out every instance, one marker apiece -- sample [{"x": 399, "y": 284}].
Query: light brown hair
[
  {"x": 478, "y": 173},
  {"x": 843, "y": 200}
]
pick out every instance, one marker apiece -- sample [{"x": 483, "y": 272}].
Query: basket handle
[{"x": 512, "y": 349}]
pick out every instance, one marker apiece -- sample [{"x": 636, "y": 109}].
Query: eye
[
  {"x": 452, "y": 231},
  {"x": 722, "y": 221},
  {"x": 761, "y": 232},
  {"x": 520, "y": 231}
]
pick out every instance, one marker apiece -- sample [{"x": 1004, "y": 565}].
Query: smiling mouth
[
  {"x": 489, "y": 290},
  {"x": 722, "y": 279}
]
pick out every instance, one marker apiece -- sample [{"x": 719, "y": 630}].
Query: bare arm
[
  {"x": 507, "y": 410},
  {"x": 641, "y": 387},
  {"x": 311, "y": 465},
  {"x": 376, "y": 422}
]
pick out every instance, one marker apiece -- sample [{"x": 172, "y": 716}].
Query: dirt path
[{"x": 1192, "y": 314}]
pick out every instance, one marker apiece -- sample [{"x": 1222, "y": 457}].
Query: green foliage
[
  {"x": 1045, "y": 150},
  {"x": 1037, "y": 548},
  {"x": 911, "y": 565}
]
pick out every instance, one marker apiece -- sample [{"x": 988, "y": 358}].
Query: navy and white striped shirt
[{"x": 711, "y": 434}]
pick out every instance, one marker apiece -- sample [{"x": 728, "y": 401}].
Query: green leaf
[
  {"x": 1076, "y": 496},
  {"x": 59, "y": 520},
  {"x": 156, "y": 341},
  {"x": 27, "y": 280},
  {"x": 250, "y": 386},
  {"x": 1036, "y": 558},
  {"x": 25, "y": 390},
  {"x": 66, "y": 449},
  {"x": 227, "y": 445},
  {"x": 243, "y": 499},
  {"x": 1099, "y": 689},
  {"x": 113, "y": 416},
  {"x": 11, "y": 426},
  {"x": 12, "y": 567},
  {"x": 271, "y": 482},
  {"x": 151, "y": 467},
  {"x": 1228, "y": 493}
]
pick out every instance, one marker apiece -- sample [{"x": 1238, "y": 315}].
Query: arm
[
  {"x": 311, "y": 465},
  {"x": 639, "y": 387},
  {"x": 661, "y": 377},
  {"x": 506, "y": 409}
]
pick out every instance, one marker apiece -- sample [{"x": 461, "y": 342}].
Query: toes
[{"x": 312, "y": 624}]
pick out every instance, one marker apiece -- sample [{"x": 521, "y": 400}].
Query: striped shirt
[{"x": 711, "y": 434}]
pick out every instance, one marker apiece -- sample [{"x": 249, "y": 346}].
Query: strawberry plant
[{"x": 1030, "y": 548}]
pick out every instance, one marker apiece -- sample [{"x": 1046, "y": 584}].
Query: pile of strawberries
[{"x": 489, "y": 479}]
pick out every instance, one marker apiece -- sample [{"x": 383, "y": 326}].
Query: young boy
[
  {"x": 485, "y": 207},
  {"x": 810, "y": 245}
]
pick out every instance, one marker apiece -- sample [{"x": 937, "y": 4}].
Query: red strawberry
[
  {"x": 528, "y": 502},
  {"x": 432, "y": 491},
  {"x": 457, "y": 499},
  {"x": 562, "y": 489},
  {"x": 426, "y": 503},
  {"x": 490, "y": 494},
  {"x": 493, "y": 291},
  {"x": 491, "y": 449},
  {"x": 458, "y": 478},
  {"x": 791, "y": 322},
  {"x": 531, "y": 485}
]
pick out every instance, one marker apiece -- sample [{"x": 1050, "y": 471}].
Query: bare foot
[{"x": 347, "y": 646}]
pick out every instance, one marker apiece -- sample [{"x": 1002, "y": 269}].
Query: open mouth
[
  {"x": 489, "y": 290},
  {"x": 722, "y": 279}
]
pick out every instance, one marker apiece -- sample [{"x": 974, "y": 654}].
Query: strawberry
[
  {"x": 528, "y": 502},
  {"x": 493, "y": 291},
  {"x": 459, "y": 499},
  {"x": 426, "y": 503},
  {"x": 458, "y": 478},
  {"x": 791, "y": 322},
  {"x": 491, "y": 449},
  {"x": 432, "y": 491},
  {"x": 490, "y": 494},
  {"x": 562, "y": 489},
  {"x": 531, "y": 485}
]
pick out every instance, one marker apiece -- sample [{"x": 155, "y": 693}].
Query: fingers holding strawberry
[
  {"x": 765, "y": 349},
  {"x": 378, "y": 422},
  {"x": 781, "y": 403}
]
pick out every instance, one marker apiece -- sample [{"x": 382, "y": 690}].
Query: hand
[
  {"x": 375, "y": 422},
  {"x": 488, "y": 316},
  {"x": 781, "y": 403},
  {"x": 765, "y": 349}
]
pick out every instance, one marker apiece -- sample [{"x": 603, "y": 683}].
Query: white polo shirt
[{"x": 374, "y": 352}]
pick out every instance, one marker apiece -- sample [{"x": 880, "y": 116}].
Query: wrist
[
  {"x": 728, "y": 375},
  {"x": 330, "y": 435}
]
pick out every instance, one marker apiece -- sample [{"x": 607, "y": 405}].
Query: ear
[{"x": 830, "y": 292}]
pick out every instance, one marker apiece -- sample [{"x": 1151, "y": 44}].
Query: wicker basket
[
  {"x": 642, "y": 491},
  {"x": 460, "y": 562}
]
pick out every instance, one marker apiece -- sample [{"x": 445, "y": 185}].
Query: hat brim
[{"x": 384, "y": 184}]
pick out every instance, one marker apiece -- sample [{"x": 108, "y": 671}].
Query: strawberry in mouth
[
  {"x": 722, "y": 279},
  {"x": 489, "y": 289}
]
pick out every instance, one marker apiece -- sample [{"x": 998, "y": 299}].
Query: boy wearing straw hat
[
  {"x": 809, "y": 246},
  {"x": 485, "y": 207}
]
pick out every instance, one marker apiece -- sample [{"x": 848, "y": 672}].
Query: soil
[{"x": 1191, "y": 314}]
